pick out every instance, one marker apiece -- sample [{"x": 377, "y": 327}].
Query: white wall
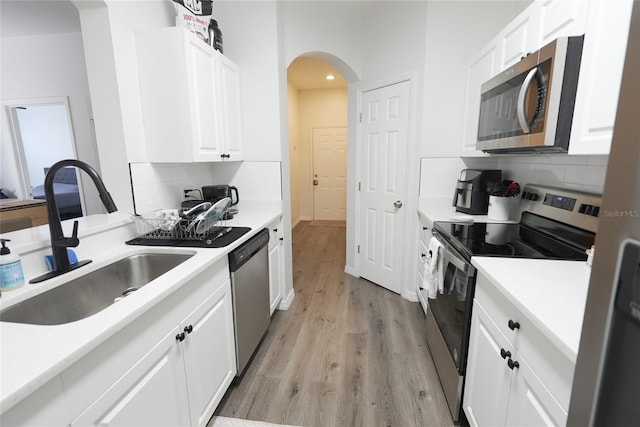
[
  {"x": 316, "y": 109},
  {"x": 294, "y": 149},
  {"x": 326, "y": 27},
  {"x": 455, "y": 31},
  {"x": 161, "y": 185},
  {"x": 43, "y": 66}
]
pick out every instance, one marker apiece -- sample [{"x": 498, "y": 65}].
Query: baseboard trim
[
  {"x": 410, "y": 295},
  {"x": 350, "y": 271},
  {"x": 295, "y": 223},
  {"x": 285, "y": 303}
]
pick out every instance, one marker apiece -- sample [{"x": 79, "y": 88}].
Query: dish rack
[{"x": 171, "y": 224}]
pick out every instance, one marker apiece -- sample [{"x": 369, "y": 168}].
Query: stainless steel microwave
[{"x": 529, "y": 106}]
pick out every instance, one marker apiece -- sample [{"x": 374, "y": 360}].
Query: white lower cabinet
[
  {"x": 152, "y": 392},
  {"x": 514, "y": 376},
  {"x": 276, "y": 263},
  {"x": 181, "y": 380},
  {"x": 209, "y": 354}
]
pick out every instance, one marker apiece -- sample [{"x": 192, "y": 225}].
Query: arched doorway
[{"x": 318, "y": 104}]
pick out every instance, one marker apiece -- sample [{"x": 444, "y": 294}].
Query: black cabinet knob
[
  {"x": 505, "y": 353},
  {"x": 513, "y": 325},
  {"x": 423, "y": 255},
  {"x": 282, "y": 239},
  {"x": 425, "y": 228},
  {"x": 180, "y": 337},
  {"x": 188, "y": 329},
  {"x": 512, "y": 364}
]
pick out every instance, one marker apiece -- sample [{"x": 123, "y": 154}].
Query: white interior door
[
  {"x": 383, "y": 159},
  {"x": 330, "y": 174}
]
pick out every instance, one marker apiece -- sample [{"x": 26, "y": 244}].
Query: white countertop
[
  {"x": 550, "y": 293},
  {"x": 31, "y": 355},
  {"x": 440, "y": 209}
]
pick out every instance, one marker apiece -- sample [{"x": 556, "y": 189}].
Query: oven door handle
[{"x": 458, "y": 263}]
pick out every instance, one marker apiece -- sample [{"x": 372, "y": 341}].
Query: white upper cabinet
[
  {"x": 559, "y": 18},
  {"x": 605, "y": 24},
  {"x": 190, "y": 98},
  {"x": 603, "y": 56}
]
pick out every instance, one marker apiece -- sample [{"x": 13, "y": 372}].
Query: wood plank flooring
[{"x": 347, "y": 352}]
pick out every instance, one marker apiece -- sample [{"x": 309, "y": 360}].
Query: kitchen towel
[{"x": 432, "y": 279}]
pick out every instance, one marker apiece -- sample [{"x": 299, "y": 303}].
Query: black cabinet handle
[
  {"x": 512, "y": 364},
  {"x": 513, "y": 325},
  {"x": 505, "y": 353},
  {"x": 423, "y": 255},
  {"x": 282, "y": 239},
  {"x": 188, "y": 329},
  {"x": 180, "y": 337},
  {"x": 425, "y": 228},
  {"x": 225, "y": 156},
  {"x": 275, "y": 230}
]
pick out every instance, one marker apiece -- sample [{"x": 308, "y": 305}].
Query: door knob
[
  {"x": 397, "y": 204},
  {"x": 315, "y": 182}
]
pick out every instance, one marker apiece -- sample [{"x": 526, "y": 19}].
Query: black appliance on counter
[
  {"x": 470, "y": 195},
  {"x": 555, "y": 224},
  {"x": 213, "y": 194}
]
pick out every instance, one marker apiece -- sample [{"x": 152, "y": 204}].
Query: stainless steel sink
[{"x": 93, "y": 292}]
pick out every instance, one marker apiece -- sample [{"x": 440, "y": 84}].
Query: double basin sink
[{"x": 87, "y": 295}]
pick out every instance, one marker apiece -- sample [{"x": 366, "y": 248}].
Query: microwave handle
[{"x": 522, "y": 100}]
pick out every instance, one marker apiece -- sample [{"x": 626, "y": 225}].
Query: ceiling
[
  {"x": 307, "y": 73},
  {"x": 36, "y": 17}
]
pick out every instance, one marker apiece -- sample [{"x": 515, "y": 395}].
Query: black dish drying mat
[{"x": 220, "y": 242}]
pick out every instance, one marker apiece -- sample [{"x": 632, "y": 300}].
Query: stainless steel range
[{"x": 555, "y": 224}]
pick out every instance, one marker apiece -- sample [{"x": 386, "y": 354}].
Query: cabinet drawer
[{"x": 553, "y": 368}]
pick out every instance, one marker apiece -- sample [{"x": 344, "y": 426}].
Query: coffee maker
[{"x": 470, "y": 195}]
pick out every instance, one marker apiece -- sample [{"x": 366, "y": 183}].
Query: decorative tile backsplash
[
  {"x": 161, "y": 185},
  {"x": 584, "y": 173}
]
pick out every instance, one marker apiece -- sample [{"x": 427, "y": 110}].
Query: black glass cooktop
[{"x": 533, "y": 237}]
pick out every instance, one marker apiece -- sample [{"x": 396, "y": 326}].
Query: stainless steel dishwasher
[{"x": 249, "y": 267}]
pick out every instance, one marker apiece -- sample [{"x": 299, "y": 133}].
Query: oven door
[{"x": 451, "y": 309}]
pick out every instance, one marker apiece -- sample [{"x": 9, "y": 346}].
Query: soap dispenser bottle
[{"x": 11, "y": 274}]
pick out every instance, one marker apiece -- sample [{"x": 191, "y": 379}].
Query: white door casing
[
  {"x": 330, "y": 173},
  {"x": 384, "y": 140}
]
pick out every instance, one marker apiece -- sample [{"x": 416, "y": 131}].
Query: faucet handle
[{"x": 70, "y": 242}]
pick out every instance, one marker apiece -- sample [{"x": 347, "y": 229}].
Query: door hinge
[
  {"x": 358, "y": 248},
  {"x": 359, "y": 186},
  {"x": 360, "y": 117}
]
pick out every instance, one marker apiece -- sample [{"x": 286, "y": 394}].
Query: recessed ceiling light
[{"x": 330, "y": 77}]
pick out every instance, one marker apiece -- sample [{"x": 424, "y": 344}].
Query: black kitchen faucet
[{"x": 60, "y": 243}]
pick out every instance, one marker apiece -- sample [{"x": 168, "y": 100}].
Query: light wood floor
[{"x": 347, "y": 352}]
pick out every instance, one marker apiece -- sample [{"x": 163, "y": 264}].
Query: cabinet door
[
  {"x": 230, "y": 106},
  {"x": 486, "y": 393},
  {"x": 560, "y": 18},
  {"x": 209, "y": 353},
  {"x": 531, "y": 403},
  {"x": 152, "y": 392},
  {"x": 518, "y": 38},
  {"x": 204, "y": 100},
  {"x": 480, "y": 70},
  {"x": 603, "y": 54}
]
